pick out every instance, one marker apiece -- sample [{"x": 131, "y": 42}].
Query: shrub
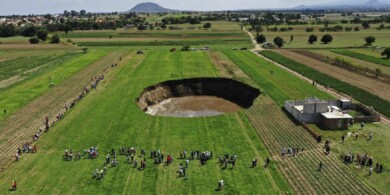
[
  {"x": 186, "y": 48},
  {"x": 356, "y": 28},
  {"x": 386, "y": 53},
  {"x": 33, "y": 40},
  {"x": 311, "y": 29},
  {"x": 348, "y": 29},
  {"x": 42, "y": 34},
  {"x": 55, "y": 39}
]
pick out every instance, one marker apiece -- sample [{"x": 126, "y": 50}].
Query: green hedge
[{"x": 379, "y": 104}]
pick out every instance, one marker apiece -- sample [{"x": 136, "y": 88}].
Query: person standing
[
  {"x": 370, "y": 171},
  {"x": 320, "y": 166},
  {"x": 342, "y": 139},
  {"x": 370, "y": 136},
  {"x": 13, "y": 185}
]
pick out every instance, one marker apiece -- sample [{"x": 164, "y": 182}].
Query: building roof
[{"x": 336, "y": 115}]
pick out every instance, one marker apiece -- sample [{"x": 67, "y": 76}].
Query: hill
[
  {"x": 343, "y": 4},
  {"x": 149, "y": 7}
]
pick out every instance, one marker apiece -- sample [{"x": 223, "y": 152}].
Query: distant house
[
  {"x": 129, "y": 26},
  {"x": 326, "y": 113},
  {"x": 243, "y": 19},
  {"x": 304, "y": 17}
]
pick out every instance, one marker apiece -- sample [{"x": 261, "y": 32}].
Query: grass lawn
[{"x": 114, "y": 120}]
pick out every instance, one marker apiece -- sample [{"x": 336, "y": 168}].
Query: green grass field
[
  {"x": 115, "y": 121},
  {"x": 271, "y": 78}
]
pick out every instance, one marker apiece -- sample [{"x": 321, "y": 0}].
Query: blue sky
[{"x": 8, "y": 7}]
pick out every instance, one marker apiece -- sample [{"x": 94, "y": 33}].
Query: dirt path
[
  {"x": 19, "y": 128},
  {"x": 253, "y": 39},
  {"x": 370, "y": 85}
]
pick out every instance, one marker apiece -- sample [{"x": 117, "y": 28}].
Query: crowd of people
[
  {"x": 224, "y": 160},
  {"x": 27, "y": 147},
  {"x": 290, "y": 151}
]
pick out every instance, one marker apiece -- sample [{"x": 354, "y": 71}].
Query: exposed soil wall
[{"x": 241, "y": 94}]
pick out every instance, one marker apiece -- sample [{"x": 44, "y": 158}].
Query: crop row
[
  {"x": 164, "y": 43},
  {"x": 379, "y": 104},
  {"x": 161, "y": 34},
  {"x": 361, "y": 56}
]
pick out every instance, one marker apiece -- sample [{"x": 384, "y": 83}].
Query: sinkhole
[{"x": 196, "y": 97}]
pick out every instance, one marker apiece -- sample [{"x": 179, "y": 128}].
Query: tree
[
  {"x": 366, "y": 25},
  {"x": 278, "y": 41},
  {"x": 369, "y": 40},
  {"x": 66, "y": 13},
  {"x": 42, "y": 34},
  {"x": 7, "y": 31},
  {"x": 312, "y": 39},
  {"x": 207, "y": 25},
  {"x": 67, "y": 28},
  {"x": 261, "y": 38},
  {"x": 83, "y": 13},
  {"x": 163, "y": 26},
  {"x": 327, "y": 38},
  {"x": 258, "y": 29},
  {"x": 28, "y": 31},
  {"x": 386, "y": 53},
  {"x": 33, "y": 40},
  {"x": 55, "y": 39}
]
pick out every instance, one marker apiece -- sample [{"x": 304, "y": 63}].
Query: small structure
[{"x": 327, "y": 113}]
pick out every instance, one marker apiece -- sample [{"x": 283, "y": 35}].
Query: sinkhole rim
[{"x": 228, "y": 89}]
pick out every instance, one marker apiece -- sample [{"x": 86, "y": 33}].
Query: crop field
[
  {"x": 340, "y": 39},
  {"x": 353, "y": 60},
  {"x": 364, "y": 56},
  {"x": 221, "y": 33},
  {"x": 378, "y": 103},
  {"x": 31, "y": 88},
  {"x": 371, "y": 85},
  {"x": 109, "y": 118}
]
